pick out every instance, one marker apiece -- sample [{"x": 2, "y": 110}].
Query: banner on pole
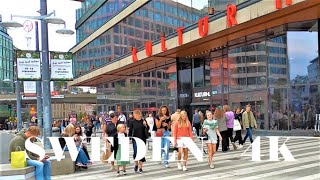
[
  {"x": 61, "y": 66},
  {"x": 28, "y": 65},
  {"x": 29, "y": 88}
]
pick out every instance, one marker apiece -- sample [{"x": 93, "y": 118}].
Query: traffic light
[{"x": 9, "y": 107}]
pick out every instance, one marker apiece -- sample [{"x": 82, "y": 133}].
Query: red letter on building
[
  {"x": 231, "y": 15},
  {"x": 134, "y": 54},
  {"x": 203, "y": 24},
  {"x": 279, "y": 3},
  {"x": 180, "y": 37},
  {"x": 163, "y": 43},
  {"x": 148, "y": 48}
]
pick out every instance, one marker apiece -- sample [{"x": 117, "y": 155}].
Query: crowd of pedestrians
[{"x": 213, "y": 127}]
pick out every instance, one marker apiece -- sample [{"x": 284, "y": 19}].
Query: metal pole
[
  {"x": 47, "y": 121},
  {"x": 38, "y": 84},
  {"x": 19, "y": 122}
]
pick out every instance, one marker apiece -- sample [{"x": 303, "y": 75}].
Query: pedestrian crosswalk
[{"x": 234, "y": 164}]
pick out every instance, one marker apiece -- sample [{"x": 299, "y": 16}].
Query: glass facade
[
  {"x": 145, "y": 90},
  {"x": 275, "y": 71},
  {"x": 6, "y": 62},
  {"x": 147, "y": 23}
]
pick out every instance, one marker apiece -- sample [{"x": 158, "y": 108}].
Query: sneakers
[
  {"x": 124, "y": 172},
  {"x": 240, "y": 146},
  {"x": 135, "y": 168},
  {"x": 118, "y": 173},
  {"x": 234, "y": 146},
  {"x": 184, "y": 168},
  {"x": 211, "y": 166},
  {"x": 140, "y": 171},
  {"x": 167, "y": 165},
  {"x": 179, "y": 166}
]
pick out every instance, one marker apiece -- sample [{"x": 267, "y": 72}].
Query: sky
[{"x": 65, "y": 9}]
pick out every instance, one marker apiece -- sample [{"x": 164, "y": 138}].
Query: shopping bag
[
  {"x": 107, "y": 154},
  {"x": 236, "y": 125},
  {"x": 18, "y": 159}
]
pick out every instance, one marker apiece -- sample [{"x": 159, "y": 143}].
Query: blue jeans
[
  {"x": 134, "y": 144},
  {"x": 82, "y": 157},
  {"x": 43, "y": 169},
  {"x": 249, "y": 133},
  {"x": 165, "y": 143}
]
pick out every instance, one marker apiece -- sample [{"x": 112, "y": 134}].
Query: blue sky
[{"x": 65, "y": 9}]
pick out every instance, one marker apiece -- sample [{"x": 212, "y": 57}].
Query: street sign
[
  {"x": 28, "y": 26},
  {"x": 61, "y": 66},
  {"x": 28, "y": 65}
]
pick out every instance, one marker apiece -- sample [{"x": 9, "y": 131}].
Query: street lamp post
[
  {"x": 46, "y": 95},
  {"x": 47, "y": 123}
]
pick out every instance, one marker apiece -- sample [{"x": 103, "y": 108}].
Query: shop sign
[
  {"x": 203, "y": 28},
  {"x": 205, "y": 94}
]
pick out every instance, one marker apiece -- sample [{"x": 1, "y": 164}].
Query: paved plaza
[{"x": 230, "y": 165}]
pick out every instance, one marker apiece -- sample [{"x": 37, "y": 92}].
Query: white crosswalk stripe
[{"x": 229, "y": 165}]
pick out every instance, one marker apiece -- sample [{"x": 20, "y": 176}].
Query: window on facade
[
  {"x": 146, "y": 25},
  {"x": 198, "y": 72},
  {"x": 154, "y": 83},
  {"x": 146, "y": 35},
  {"x": 252, "y": 81},
  {"x": 116, "y": 39},
  {"x": 146, "y": 83},
  {"x": 138, "y": 81},
  {"x": 146, "y": 74},
  {"x": 138, "y": 23},
  {"x": 157, "y": 17},
  {"x": 157, "y": 5}
]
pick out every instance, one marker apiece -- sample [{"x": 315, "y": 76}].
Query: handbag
[
  {"x": 18, "y": 159},
  {"x": 159, "y": 133},
  {"x": 236, "y": 125},
  {"x": 146, "y": 132},
  {"x": 107, "y": 154},
  {"x": 204, "y": 136}
]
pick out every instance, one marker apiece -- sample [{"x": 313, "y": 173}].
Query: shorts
[
  {"x": 181, "y": 144},
  {"x": 211, "y": 141}
]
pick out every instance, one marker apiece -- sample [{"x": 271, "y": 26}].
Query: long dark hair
[
  {"x": 80, "y": 133},
  {"x": 160, "y": 112}
]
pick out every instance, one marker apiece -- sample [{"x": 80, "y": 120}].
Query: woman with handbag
[
  {"x": 138, "y": 128},
  {"x": 210, "y": 128},
  {"x": 163, "y": 126},
  {"x": 182, "y": 128},
  {"x": 238, "y": 117}
]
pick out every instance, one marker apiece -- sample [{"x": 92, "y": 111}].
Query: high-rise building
[
  {"x": 6, "y": 62},
  {"x": 147, "y": 23}
]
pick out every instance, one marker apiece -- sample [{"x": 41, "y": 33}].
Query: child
[{"x": 117, "y": 146}]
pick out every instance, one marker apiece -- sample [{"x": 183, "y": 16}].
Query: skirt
[{"x": 118, "y": 157}]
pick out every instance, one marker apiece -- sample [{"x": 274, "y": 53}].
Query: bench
[
  {"x": 63, "y": 167},
  {"x": 6, "y": 172}
]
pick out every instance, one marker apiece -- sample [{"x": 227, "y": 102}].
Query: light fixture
[
  {"x": 11, "y": 24},
  {"x": 54, "y": 20},
  {"x": 65, "y": 31}
]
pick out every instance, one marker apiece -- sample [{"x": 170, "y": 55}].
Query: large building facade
[{"x": 269, "y": 59}]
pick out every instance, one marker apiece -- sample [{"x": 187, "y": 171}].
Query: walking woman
[
  {"x": 162, "y": 128},
  {"x": 230, "y": 123},
  {"x": 182, "y": 128},
  {"x": 88, "y": 131},
  {"x": 248, "y": 122},
  {"x": 111, "y": 131},
  {"x": 238, "y": 137},
  {"x": 210, "y": 127},
  {"x": 137, "y": 129},
  {"x": 222, "y": 124}
]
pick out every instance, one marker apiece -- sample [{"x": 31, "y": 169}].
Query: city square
[{"x": 243, "y": 75}]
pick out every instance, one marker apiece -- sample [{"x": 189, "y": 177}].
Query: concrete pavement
[{"x": 230, "y": 165}]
